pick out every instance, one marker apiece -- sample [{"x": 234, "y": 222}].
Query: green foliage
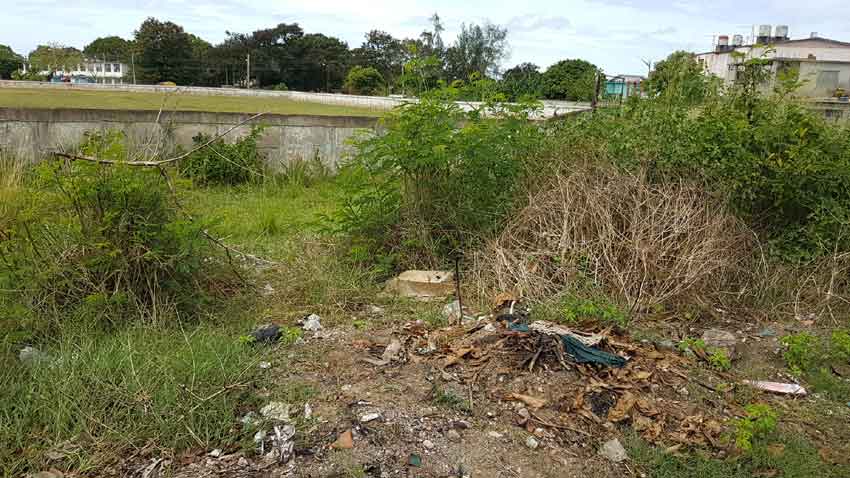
[
  {"x": 719, "y": 360},
  {"x": 436, "y": 178},
  {"x": 364, "y": 81},
  {"x": 225, "y": 163},
  {"x": 104, "y": 243},
  {"x": 678, "y": 78},
  {"x": 110, "y": 48},
  {"x": 164, "y": 53},
  {"x": 759, "y": 422},
  {"x": 9, "y": 62},
  {"x": 30, "y": 75},
  {"x": 522, "y": 82},
  {"x": 800, "y": 352},
  {"x": 571, "y": 80},
  {"x": 574, "y": 310},
  {"x": 478, "y": 49},
  {"x": 54, "y": 56},
  {"x": 840, "y": 344}
]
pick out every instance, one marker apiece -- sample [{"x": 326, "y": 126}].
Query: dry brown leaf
[
  {"x": 503, "y": 299},
  {"x": 344, "y": 441},
  {"x": 458, "y": 355},
  {"x": 776, "y": 449},
  {"x": 646, "y": 407},
  {"x": 532, "y": 402},
  {"x": 621, "y": 410},
  {"x": 641, "y": 375}
]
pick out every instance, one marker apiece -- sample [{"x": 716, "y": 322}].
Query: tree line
[{"x": 286, "y": 57}]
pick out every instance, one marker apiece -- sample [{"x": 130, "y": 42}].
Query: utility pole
[
  {"x": 248, "y": 71},
  {"x": 133, "y": 65}
]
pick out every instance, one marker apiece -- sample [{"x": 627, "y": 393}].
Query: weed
[
  {"x": 840, "y": 344},
  {"x": 759, "y": 422},
  {"x": 690, "y": 343},
  {"x": 449, "y": 399},
  {"x": 800, "y": 352},
  {"x": 719, "y": 360},
  {"x": 225, "y": 163}
]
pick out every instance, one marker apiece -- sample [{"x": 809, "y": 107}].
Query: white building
[
  {"x": 91, "y": 71},
  {"x": 823, "y": 64}
]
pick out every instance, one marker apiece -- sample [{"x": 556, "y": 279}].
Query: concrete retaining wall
[{"x": 28, "y": 133}]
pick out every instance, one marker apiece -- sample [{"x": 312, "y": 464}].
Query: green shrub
[
  {"x": 801, "y": 352},
  {"x": 840, "y": 344},
  {"x": 576, "y": 310},
  {"x": 436, "y": 178},
  {"x": 225, "y": 163},
  {"x": 104, "y": 242},
  {"x": 759, "y": 422}
]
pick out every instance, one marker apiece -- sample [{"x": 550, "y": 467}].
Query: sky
[{"x": 617, "y": 35}]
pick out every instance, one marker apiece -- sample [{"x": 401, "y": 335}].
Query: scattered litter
[
  {"x": 370, "y": 417},
  {"x": 428, "y": 444},
  {"x": 31, "y": 355},
  {"x": 532, "y": 402},
  {"x": 267, "y": 290},
  {"x": 249, "y": 419},
  {"x": 265, "y": 365},
  {"x": 422, "y": 284},
  {"x": 414, "y": 460},
  {"x": 283, "y": 442},
  {"x": 614, "y": 451},
  {"x": 152, "y": 470},
  {"x": 312, "y": 323},
  {"x": 266, "y": 333},
  {"x": 278, "y": 411},
  {"x": 532, "y": 443},
  {"x": 308, "y": 411},
  {"x": 775, "y": 387},
  {"x": 549, "y": 328},
  {"x": 375, "y": 310},
  {"x": 344, "y": 441},
  {"x": 575, "y": 345},
  {"x": 766, "y": 332},
  {"x": 215, "y": 453},
  {"x": 390, "y": 354}
]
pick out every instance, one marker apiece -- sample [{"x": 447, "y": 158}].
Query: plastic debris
[
  {"x": 414, "y": 460},
  {"x": 266, "y": 333},
  {"x": 370, "y": 417},
  {"x": 312, "y": 323},
  {"x": 284, "y": 444},
  {"x": 614, "y": 451},
  {"x": 276, "y": 411},
  {"x": 775, "y": 387},
  {"x": 575, "y": 345}
]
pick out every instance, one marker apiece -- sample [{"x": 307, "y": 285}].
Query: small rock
[
  {"x": 392, "y": 350},
  {"x": 267, "y": 290},
  {"x": 428, "y": 444},
  {"x": 684, "y": 392},
  {"x": 422, "y": 284},
  {"x": 453, "y": 435},
  {"x": 766, "y": 333},
  {"x": 266, "y": 333},
  {"x": 614, "y": 451},
  {"x": 524, "y": 413},
  {"x": 720, "y": 339},
  {"x": 308, "y": 411},
  {"x": 242, "y": 462},
  {"x": 215, "y": 453},
  {"x": 665, "y": 345},
  {"x": 276, "y": 411},
  {"x": 375, "y": 310},
  {"x": 532, "y": 443},
  {"x": 369, "y": 417},
  {"x": 265, "y": 365},
  {"x": 312, "y": 323},
  {"x": 494, "y": 434},
  {"x": 461, "y": 425}
]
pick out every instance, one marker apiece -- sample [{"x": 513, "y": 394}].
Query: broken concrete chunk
[
  {"x": 266, "y": 333},
  {"x": 422, "y": 284},
  {"x": 614, "y": 451},
  {"x": 720, "y": 339}
]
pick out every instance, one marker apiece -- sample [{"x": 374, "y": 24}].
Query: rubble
[
  {"x": 267, "y": 333},
  {"x": 277, "y": 411},
  {"x": 312, "y": 323}
]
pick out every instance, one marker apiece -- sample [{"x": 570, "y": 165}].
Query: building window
[
  {"x": 116, "y": 68},
  {"x": 108, "y": 67},
  {"x": 97, "y": 68}
]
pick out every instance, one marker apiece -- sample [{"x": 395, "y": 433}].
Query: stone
[
  {"x": 453, "y": 435},
  {"x": 422, "y": 284},
  {"x": 766, "y": 332},
  {"x": 278, "y": 411},
  {"x": 532, "y": 443},
  {"x": 461, "y": 425},
  {"x": 614, "y": 451},
  {"x": 267, "y": 290},
  {"x": 494, "y": 434},
  {"x": 312, "y": 323},
  {"x": 428, "y": 444},
  {"x": 265, "y": 365},
  {"x": 720, "y": 339},
  {"x": 308, "y": 411},
  {"x": 266, "y": 333},
  {"x": 375, "y": 310},
  {"x": 215, "y": 453},
  {"x": 665, "y": 345}
]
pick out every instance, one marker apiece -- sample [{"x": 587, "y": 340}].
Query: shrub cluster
[{"x": 225, "y": 163}]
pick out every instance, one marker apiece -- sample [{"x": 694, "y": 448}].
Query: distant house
[
  {"x": 824, "y": 64},
  {"x": 623, "y": 86},
  {"x": 90, "y": 71}
]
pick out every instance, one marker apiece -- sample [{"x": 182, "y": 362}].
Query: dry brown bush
[{"x": 642, "y": 244}]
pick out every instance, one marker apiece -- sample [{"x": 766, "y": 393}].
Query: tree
[
  {"x": 54, "y": 57},
  {"x": 478, "y": 49},
  {"x": 382, "y": 52},
  {"x": 111, "y": 48},
  {"x": 523, "y": 81},
  {"x": 364, "y": 81},
  {"x": 9, "y": 62},
  {"x": 572, "y": 80},
  {"x": 271, "y": 50},
  {"x": 319, "y": 63},
  {"x": 164, "y": 53},
  {"x": 678, "y": 75}
]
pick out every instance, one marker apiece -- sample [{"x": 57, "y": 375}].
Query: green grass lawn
[{"x": 121, "y": 100}]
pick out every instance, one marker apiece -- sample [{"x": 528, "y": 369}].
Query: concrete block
[{"x": 422, "y": 284}]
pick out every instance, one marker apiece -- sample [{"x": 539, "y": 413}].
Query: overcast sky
[{"x": 614, "y": 34}]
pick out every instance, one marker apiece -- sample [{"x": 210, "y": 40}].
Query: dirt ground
[{"x": 404, "y": 399}]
